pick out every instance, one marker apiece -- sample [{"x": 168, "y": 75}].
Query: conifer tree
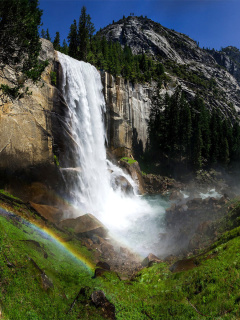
[
  {"x": 73, "y": 40},
  {"x": 83, "y": 35},
  {"x": 56, "y": 42},
  {"x": 48, "y": 35},
  {"x": 64, "y": 48},
  {"x": 19, "y": 41}
]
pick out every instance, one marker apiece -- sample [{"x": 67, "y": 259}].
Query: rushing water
[{"x": 134, "y": 220}]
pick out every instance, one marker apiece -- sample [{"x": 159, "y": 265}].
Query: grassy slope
[{"x": 208, "y": 291}]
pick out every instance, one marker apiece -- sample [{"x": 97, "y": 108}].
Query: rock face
[
  {"x": 128, "y": 109},
  {"x": 25, "y": 129},
  {"x": 33, "y": 132},
  {"x": 229, "y": 58},
  {"x": 187, "y": 65}
]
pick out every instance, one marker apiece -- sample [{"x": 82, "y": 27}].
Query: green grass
[{"x": 209, "y": 291}]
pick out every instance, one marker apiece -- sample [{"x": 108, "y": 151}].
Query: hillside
[
  {"x": 194, "y": 69},
  {"x": 47, "y": 273}
]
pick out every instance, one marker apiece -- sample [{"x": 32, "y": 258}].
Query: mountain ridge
[{"x": 195, "y": 69}]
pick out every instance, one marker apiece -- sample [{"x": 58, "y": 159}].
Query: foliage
[
  {"x": 56, "y": 161},
  {"x": 53, "y": 76},
  {"x": 106, "y": 55},
  {"x": 20, "y": 44},
  {"x": 191, "y": 133},
  {"x": 56, "y": 41},
  {"x": 128, "y": 160}
]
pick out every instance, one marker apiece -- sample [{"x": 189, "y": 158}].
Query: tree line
[
  {"x": 189, "y": 132},
  {"x": 82, "y": 44}
]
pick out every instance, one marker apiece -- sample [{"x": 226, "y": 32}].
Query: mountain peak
[{"x": 143, "y": 35}]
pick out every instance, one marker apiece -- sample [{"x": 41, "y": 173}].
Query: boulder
[
  {"x": 50, "y": 213},
  {"x": 150, "y": 260},
  {"x": 99, "y": 300},
  {"x": 122, "y": 183},
  {"x": 86, "y": 225},
  {"x": 134, "y": 170}
]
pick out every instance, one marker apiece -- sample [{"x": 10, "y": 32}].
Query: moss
[
  {"x": 128, "y": 160},
  {"x": 5, "y": 193},
  {"x": 56, "y": 161}
]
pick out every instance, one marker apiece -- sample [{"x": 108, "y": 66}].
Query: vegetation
[
  {"x": 128, "y": 160},
  {"x": 207, "y": 290},
  {"x": 20, "y": 45},
  {"x": 106, "y": 55},
  {"x": 189, "y": 132}
]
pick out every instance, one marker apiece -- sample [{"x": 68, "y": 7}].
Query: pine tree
[
  {"x": 73, "y": 40},
  {"x": 19, "y": 40},
  {"x": 56, "y": 42},
  {"x": 197, "y": 148},
  {"x": 83, "y": 35},
  {"x": 64, "y": 48},
  {"x": 48, "y": 35},
  {"x": 43, "y": 34}
]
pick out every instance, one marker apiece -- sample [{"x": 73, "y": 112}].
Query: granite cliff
[{"x": 196, "y": 70}]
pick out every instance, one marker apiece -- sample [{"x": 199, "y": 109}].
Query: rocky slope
[
  {"x": 229, "y": 58},
  {"x": 187, "y": 65}
]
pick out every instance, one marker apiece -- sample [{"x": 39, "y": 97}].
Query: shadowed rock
[
  {"x": 86, "y": 225},
  {"x": 50, "y": 213},
  {"x": 100, "y": 301},
  {"x": 150, "y": 260}
]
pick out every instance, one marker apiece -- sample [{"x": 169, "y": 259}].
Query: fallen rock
[
  {"x": 86, "y": 225},
  {"x": 103, "y": 265},
  {"x": 50, "y": 213},
  {"x": 99, "y": 299},
  {"x": 150, "y": 260}
]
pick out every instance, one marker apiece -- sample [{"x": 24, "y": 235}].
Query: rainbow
[{"x": 49, "y": 233}]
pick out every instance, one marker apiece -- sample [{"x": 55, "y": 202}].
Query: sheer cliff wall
[{"x": 128, "y": 109}]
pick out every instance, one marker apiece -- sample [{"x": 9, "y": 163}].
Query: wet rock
[
  {"x": 122, "y": 183},
  {"x": 86, "y": 225},
  {"x": 100, "y": 301},
  {"x": 134, "y": 170},
  {"x": 159, "y": 184},
  {"x": 176, "y": 195},
  {"x": 49, "y": 213},
  {"x": 150, "y": 260}
]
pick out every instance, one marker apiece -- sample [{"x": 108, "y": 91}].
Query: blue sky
[{"x": 214, "y": 23}]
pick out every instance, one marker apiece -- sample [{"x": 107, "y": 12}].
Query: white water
[{"x": 131, "y": 219}]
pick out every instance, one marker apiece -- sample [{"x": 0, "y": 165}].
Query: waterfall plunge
[{"x": 127, "y": 217}]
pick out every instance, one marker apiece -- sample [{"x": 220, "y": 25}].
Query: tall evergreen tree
[
  {"x": 48, "y": 35},
  {"x": 64, "y": 48},
  {"x": 19, "y": 39},
  {"x": 56, "y": 42},
  {"x": 73, "y": 40},
  {"x": 83, "y": 35}
]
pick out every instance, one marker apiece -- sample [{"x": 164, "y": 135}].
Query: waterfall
[{"x": 94, "y": 189}]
